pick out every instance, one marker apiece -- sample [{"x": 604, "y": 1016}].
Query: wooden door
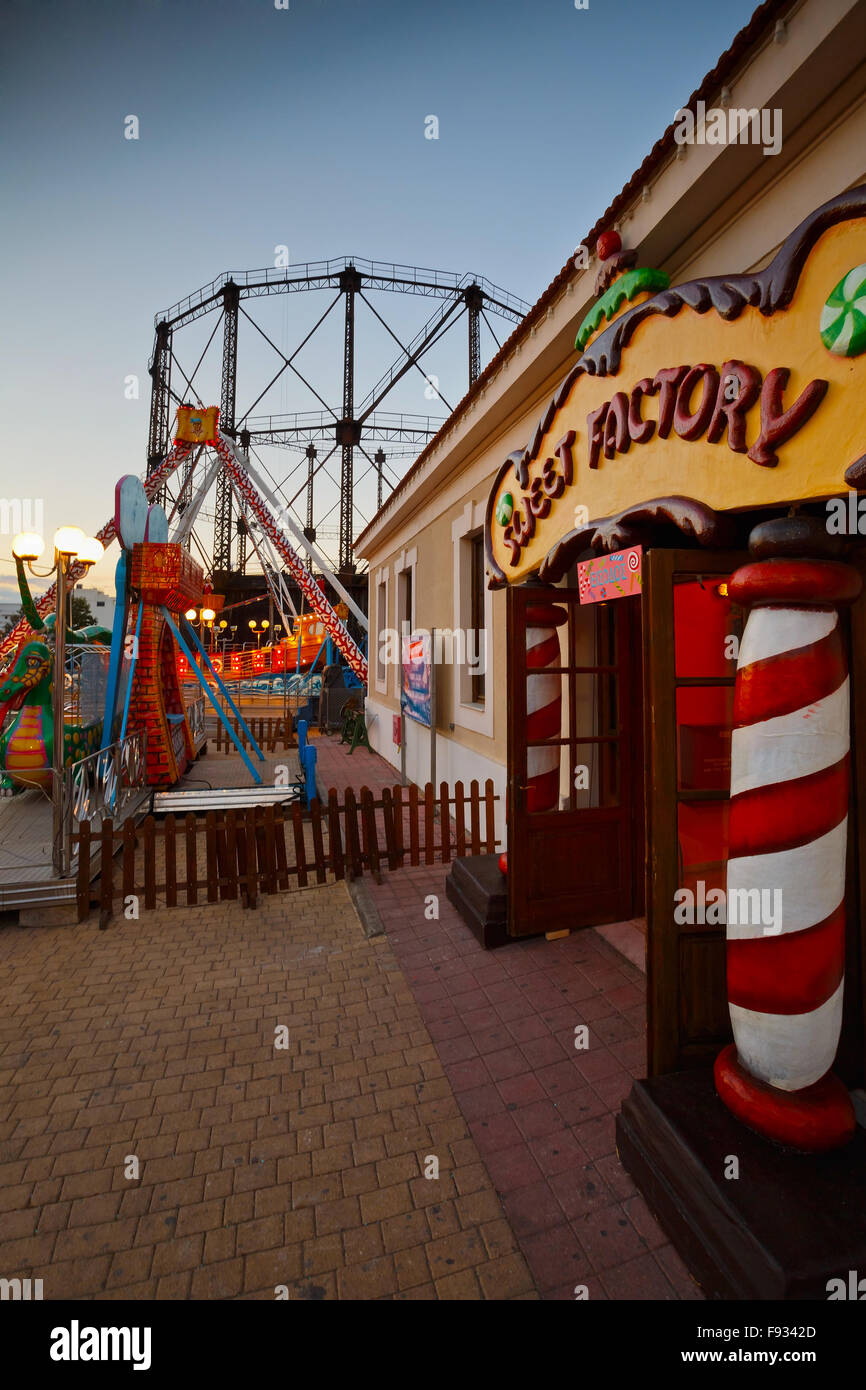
[
  {"x": 690, "y": 667},
  {"x": 572, "y": 855}
]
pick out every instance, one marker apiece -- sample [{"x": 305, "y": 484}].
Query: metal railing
[
  {"x": 196, "y": 719},
  {"x": 421, "y": 279},
  {"x": 107, "y": 785}
]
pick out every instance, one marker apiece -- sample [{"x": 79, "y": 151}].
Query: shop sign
[
  {"x": 610, "y": 576},
  {"x": 734, "y": 392}
]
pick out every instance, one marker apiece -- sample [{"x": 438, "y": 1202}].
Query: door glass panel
[
  {"x": 702, "y": 842},
  {"x": 704, "y": 719},
  {"x": 595, "y": 704},
  {"x": 705, "y": 620},
  {"x": 595, "y": 775}
]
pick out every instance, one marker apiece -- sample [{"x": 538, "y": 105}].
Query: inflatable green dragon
[{"x": 27, "y": 745}]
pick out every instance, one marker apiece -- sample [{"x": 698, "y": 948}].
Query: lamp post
[{"x": 71, "y": 546}]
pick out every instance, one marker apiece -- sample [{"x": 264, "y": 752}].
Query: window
[
  {"x": 475, "y": 635},
  {"x": 404, "y": 571},
  {"x": 381, "y": 624},
  {"x": 472, "y": 620}
]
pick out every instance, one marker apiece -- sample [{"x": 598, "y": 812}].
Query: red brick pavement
[{"x": 540, "y": 1111}]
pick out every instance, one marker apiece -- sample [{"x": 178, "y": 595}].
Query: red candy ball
[
  {"x": 608, "y": 244},
  {"x": 503, "y": 863}
]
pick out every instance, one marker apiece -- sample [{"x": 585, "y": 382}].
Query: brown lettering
[
  {"x": 523, "y": 528},
  {"x": 551, "y": 481},
  {"x": 563, "y": 451},
  {"x": 640, "y": 431},
  {"x": 733, "y": 412},
  {"x": 595, "y": 432},
  {"x": 691, "y": 426},
  {"x": 616, "y": 436},
  {"x": 777, "y": 424},
  {"x": 667, "y": 380},
  {"x": 513, "y": 545},
  {"x": 539, "y": 505}
]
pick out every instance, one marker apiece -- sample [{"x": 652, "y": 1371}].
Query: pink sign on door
[{"x": 610, "y": 576}]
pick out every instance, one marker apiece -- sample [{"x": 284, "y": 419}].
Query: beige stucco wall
[{"x": 709, "y": 211}]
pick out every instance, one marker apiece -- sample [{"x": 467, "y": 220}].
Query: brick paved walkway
[
  {"x": 540, "y": 1112},
  {"x": 258, "y": 1167}
]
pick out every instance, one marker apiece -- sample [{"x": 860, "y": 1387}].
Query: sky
[{"x": 261, "y": 127}]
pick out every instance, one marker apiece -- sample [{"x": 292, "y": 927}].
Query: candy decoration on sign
[
  {"x": 505, "y": 509},
  {"x": 543, "y": 705},
  {"x": 787, "y": 845},
  {"x": 843, "y": 318}
]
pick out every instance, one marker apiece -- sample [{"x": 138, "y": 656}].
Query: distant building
[{"x": 101, "y": 604}]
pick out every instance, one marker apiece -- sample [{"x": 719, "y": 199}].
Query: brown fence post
[
  {"x": 127, "y": 879},
  {"x": 335, "y": 844},
  {"x": 490, "y": 816},
  {"x": 398, "y": 825},
  {"x": 211, "y": 860},
  {"x": 445, "y": 822},
  {"x": 82, "y": 891},
  {"x": 460, "y": 819},
  {"x": 280, "y": 848},
  {"x": 353, "y": 843},
  {"x": 475, "y": 817},
  {"x": 231, "y": 859},
  {"x": 414, "y": 857},
  {"x": 318, "y": 842},
  {"x": 168, "y": 831},
  {"x": 429, "y": 823},
  {"x": 271, "y": 829},
  {"x": 191, "y": 859},
  {"x": 250, "y": 855},
  {"x": 300, "y": 848},
  {"x": 106, "y": 869},
  {"x": 368, "y": 817},
  {"x": 388, "y": 822},
  {"x": 149, "y": 840}
]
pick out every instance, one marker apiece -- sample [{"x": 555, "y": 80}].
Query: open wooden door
[
  {"x": 691, "y": 641},
  {"x": 575, "y": 783}
]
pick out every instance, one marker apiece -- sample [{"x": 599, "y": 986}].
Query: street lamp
[
  {"x": 71, "y": 547},
  {"x": 257, "y": 630}
]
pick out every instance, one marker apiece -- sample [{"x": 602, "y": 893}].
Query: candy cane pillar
[
  {"x": 543, "y": 705},
  {"x": 787, "y": 846}
]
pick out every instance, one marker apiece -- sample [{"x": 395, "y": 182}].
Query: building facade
[{"x": 663, "y": 466}]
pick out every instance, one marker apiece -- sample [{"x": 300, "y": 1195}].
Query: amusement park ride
[{"x": 129, "y": 730}]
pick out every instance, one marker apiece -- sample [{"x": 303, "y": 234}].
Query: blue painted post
[
  {"x": 310, "y": 770},
  {"x": 302, "y": 738}
]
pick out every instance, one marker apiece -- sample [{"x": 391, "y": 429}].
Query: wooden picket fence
[
  {"x": 269, "y": 734},
  {"x": 243, "y": 854}
]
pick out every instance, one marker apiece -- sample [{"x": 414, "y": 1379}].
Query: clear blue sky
[{"x": 303, "y": 127}]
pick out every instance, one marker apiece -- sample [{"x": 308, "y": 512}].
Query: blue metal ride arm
[
  {"x": 121, "y": 609},
  {"x": 131, "y": 671},
  {"x": 207, "y": 690},
  {"x": 191, "y": 632}
]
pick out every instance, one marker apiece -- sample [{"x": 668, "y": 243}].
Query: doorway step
[{"x": 476, "y": 887}]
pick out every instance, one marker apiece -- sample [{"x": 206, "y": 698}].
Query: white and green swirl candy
[{"x": 843, "y": 318}]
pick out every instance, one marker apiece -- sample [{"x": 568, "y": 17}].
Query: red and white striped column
[
  {"x": 543, "y": 705},
  {"x": 787, "y": 847}
]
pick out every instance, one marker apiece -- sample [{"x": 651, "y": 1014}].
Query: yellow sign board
[
  {"x": 736, "y": 392},
  {"x": 197, "y": 425}
]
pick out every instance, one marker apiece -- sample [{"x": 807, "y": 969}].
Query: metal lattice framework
[{"x": 318, "y": 435}]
